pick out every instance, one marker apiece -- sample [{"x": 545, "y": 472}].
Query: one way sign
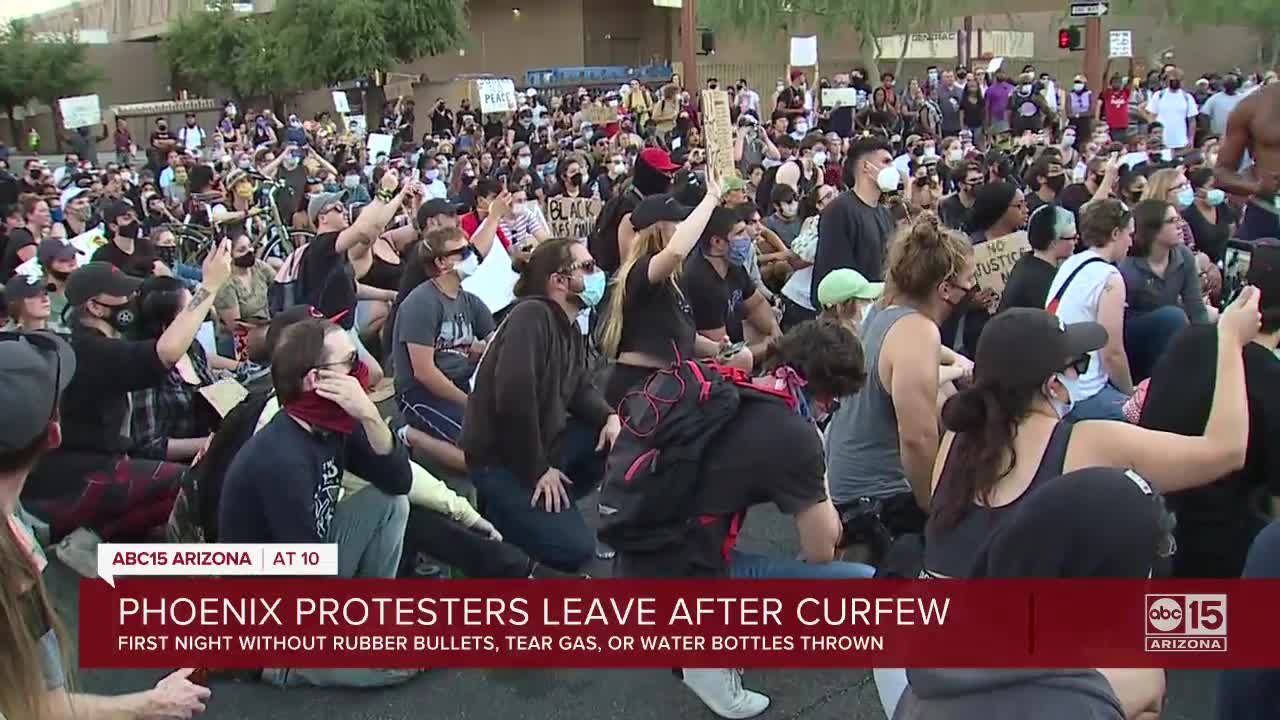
[{"x": 1089, "y": 9}]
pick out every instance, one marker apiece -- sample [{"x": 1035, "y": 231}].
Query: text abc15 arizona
[{"x": 1186, "y": 623}]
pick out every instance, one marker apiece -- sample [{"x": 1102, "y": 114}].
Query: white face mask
[
  {"x": 889, "y": 179},
  {"x": 955, "y": 155},
  {"x": 802, "y": 128},
  {"x": 517, "y": 208},
  {"x": 620, "y": 168},
  {"x": 930, "y": 151},
  {"x": 820, "y": 158},
  {"x": 1063, "y": 408},
  {"x": 789, "y": 209},
  {"x": 524, "y": 161},
  {"x": 467, "y": 267}
]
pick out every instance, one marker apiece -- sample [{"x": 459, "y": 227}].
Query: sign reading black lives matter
[
  {"x": 572, "y": 217},
  {"x": 995, "y": 259}
]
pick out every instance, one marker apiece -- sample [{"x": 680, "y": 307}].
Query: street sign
[
  {"x": 1121, "y": 43},
  {"x": 1089, "y": 9}
]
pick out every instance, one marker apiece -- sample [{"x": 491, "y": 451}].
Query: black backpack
[
  {"x": 195, "y": 513},
  {"x": 652, "y": 476}
]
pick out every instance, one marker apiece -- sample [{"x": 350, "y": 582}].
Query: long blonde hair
[
  {"x": 1160, "y": 183},
  {"x": 22, "y": 682},
  {"x": 648, "y": 240}
]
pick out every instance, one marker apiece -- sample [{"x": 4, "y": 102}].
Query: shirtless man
[{"x": 1254, "y": 126}]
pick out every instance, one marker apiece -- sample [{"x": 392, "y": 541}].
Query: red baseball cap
[{"x": 658, "y": 159}]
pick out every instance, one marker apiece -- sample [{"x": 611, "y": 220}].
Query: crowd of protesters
[{"x": 1123, "y": 372}]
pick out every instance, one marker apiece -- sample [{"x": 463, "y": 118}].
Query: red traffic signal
[{"x": 1070, "y": 38}]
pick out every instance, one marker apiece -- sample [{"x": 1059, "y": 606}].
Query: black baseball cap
[
  {"x": 658, "y": 208},
  {"x": 52, "y": 249},
  {"x": 21, "y": 287},
  {"x": 1024, "y": 346},
  {"x": 98, "y": 278},
  {"x": 35, "y": 367},
  {"x": 115, "y": 209},
  {"x": 432, "y": 208}
]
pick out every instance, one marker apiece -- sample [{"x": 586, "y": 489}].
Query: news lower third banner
[{"x": 254, "y": 622}]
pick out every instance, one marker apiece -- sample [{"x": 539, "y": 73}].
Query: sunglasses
[
  {"x": 463, "y": 252},
  {"x": 1080, "y": 364},
  {"x": 349, "y": 363},
  {"x": 587, "y": 266}
]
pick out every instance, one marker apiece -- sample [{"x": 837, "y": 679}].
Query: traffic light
[{"x": 1070, "y": 38}]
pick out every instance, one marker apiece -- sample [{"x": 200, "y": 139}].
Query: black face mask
[
  {"x": 121, "y": 318},
  {"x": 59, "y": 275},
  {"x": 129, "y": 230},
  {"x": 168, "y": 255},
  {"x": 1056, "y": 183},
  {"x": 1175, "y": 84},
  {"x": 964, "y": 303},
  {"x": 246, "y": 260}
]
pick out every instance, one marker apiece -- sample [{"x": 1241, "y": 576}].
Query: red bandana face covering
[{"x": 324, "y": 413}]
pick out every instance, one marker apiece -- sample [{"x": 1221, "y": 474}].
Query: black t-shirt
[
  {"x": 1211, "y": 238},
  {"x": 655, "y": 316},
  {"x": 140, "y": 263},
  {"x": 1028, "y": 283},
  {"x": 95, "y": 409},
  {"x": 973, "y": 110},
  {"x": 852, "y": 234},
  {"x": 289, "y": 198},
  {"x": 716, "y": 301},
  {"x": 1074, "y": 196},
  {"x": 792, "y": 98},
  {"x": 493, "y": 130},
  {"x": 953, "y": 213},
  {"x": 842, "y": 121},
  {"x": 18, "y": 239},
  {"x": 743, "y": 468},
  {"x": 441, "y": 121},
  {"x": 1217, "y": 522},
  {"x": 328, "y": 280}
]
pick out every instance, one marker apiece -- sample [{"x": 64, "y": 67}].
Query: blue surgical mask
[
  {"x": 1215, "y": 196},
  {"x": 739, "y": 250},
  {"x": 1186, "y": 196},
  {"x": 593, "y": 286}
]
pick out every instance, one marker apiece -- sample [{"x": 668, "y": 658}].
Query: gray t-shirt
[
  {"x": 863, "y": 457},
  {"x": 450, "y": 325},
  {"x": 949, "y": 104},
  {"x": 1218, "y": 108}
]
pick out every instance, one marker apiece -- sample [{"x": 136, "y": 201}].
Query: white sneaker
[{"x": 721, "y": 690}]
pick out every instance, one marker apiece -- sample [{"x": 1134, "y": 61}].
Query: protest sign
[
  {"x": 996, "y": 258},
  {"x": 718, "y": 131},
  {"x": 378, "y": 144},
  {"x": 598, "y": 114},
  {"x": 839, "y": 97},
  {"x": 572, "y": 217},
  {"x": 400, "y": 89},
  {"x": 804, "y": 51},
  {"x": 340, "y": 104},
  {"x": 497, "y": 95},
  {"x": 80, "y": 111},
  {"x": 494, "y": 281}
]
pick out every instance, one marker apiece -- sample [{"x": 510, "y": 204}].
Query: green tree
[
  {"x": 871, "y": 18},
  {"x": 17, "y": 55},
  {"x": 1262, "y": 16},
  {"x": 59, "y": 69},
  {"x": 220, "y": 47}
]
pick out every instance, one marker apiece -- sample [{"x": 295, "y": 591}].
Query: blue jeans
[
  {"x": 561, "y": 540},
  {"x": 1147, "y": 335},
  {"x": 1108, "y": 404},
  {"x": 190, "y": 273},
  {"x": 1258, "y": 224},
  {"x": 749, "y": 566}
]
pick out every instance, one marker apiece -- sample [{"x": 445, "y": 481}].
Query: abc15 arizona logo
[{"x": 1186, "y": 623}]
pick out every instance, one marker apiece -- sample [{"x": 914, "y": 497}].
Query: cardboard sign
[
  {"x": 804, "y": 51},
  {"x": 718, "y": 132},
  {"x": 840, "y": 97},
  {"x": 400, "y": 89},
  {"x": 598, "y": 114},
  {"x": 572, "y": 217},
  {"x": 80, "y": 111},
  {"x": 340, "y": 104},
  {"x": 497, "y": 95},
  {"x": 996, "y": 258},
  {"x": 224, "y": 395}
]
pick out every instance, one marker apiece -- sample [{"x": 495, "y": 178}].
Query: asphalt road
[{"x": 589, "y": 694}]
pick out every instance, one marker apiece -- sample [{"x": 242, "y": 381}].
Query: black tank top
[
  {"x": 382, "y": 274},
  {"x": 951, "y": 552}
]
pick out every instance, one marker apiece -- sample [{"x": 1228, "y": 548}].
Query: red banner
[{"x": 251, "y": 623}]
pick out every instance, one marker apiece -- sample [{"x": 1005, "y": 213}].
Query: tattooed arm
[{"x": 173, "y": 344}]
